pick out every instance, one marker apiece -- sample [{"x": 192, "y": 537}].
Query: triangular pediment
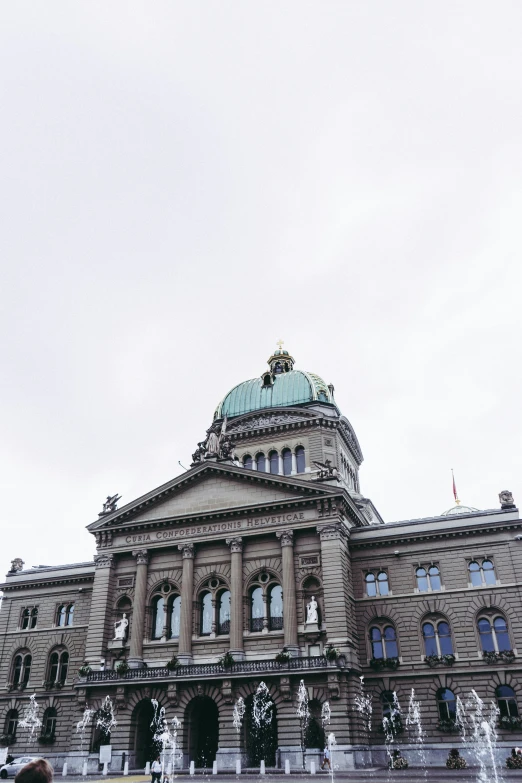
[{"x": 209, "y": 489}]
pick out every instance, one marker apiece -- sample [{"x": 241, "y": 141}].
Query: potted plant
[
  {"x": 508, "y": 656},
  {"x": 122, "y": 667},
  {"x": 173, "y": 664},
  {"x": 332, "y": 653},
  {"x": 6, "y": 740},
  {"x": 455, "y": 760},
  {"x": 46, "y": 739},
  {"x": 448, "y": 725},
  {"x": 515, "y": 760},
  {"x": 511, "y": 722},
  {"x": 84, "y": 670},
  {"x": 377, "y": 664},
  {"x": 448, "y": 659},
  {"x": 392, "y": 725},
  {"x": 283, "y": 656},
  {"x": 432, "y": 660},
  {"x": 490, "y": 657},
  {"x": 226, "y": 660}
]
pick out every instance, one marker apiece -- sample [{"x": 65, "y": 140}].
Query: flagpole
[{"x": 455, "y": 495}]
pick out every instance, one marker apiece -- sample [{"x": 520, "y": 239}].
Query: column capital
[
  {"x": 141, "y": 555},
  {"x": 332, "y": 531},
  {"x": 286, "y": 537},
  {"x": 188, "y": 551},
  {"x": 235, "y": 544},
  {"x": 104, "y": 561}
]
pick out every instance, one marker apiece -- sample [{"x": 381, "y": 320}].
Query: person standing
[
  {"x": 156, "y": 770},
  {"x": 326, "y": 757}
]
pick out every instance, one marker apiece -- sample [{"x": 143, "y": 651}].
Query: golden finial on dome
[{"x": 280, "y": 343}]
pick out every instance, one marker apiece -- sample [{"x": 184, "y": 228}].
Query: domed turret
[{"x": 279, "y": 387}]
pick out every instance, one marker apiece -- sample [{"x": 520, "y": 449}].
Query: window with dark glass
[
  {"x": 22, "y": 668},
  {"x": 371, "y": 586},
  {"x": 287, "y": 462},
  {"x": 256, "y": 609},
  {"x": 26, "y": 618},
  {"x": 376, "y": 643},
  {"x": 58, "y": 666},
  {"x": 247, "y": 462},
  {"x": 483, "y": 573},
  {"x": 428, "y": 579},
  {"x": 158, "y": 616},
  {"x": 494, "y": 637},
  {"x": 175, "y": 615},
  {"x": 388, "y": 704},
  {"x": 383, "y": 642},
  {"x": 206, "y": 614},
  {"x": 261, "y": 462},
  {"x": 70, "y": 615},
  {"x": 274, "y": 462},
  {"x": 507, "y": 701},
  {"x": 447, "y": 704},
  {"x": 224, "y": 612},
  {"x": 300, "y": 459},
  {"x": 34, "y": 616},
  {"x": 11, "y": 723},
  {"x": 49, "y": 722},
  {"x": 275, "y": 607},
  {"x": 437, "y": 638}
]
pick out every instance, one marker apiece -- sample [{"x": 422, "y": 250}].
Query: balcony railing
[{"x": 199, "y": 670}]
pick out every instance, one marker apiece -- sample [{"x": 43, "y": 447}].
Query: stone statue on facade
[
  {"x": 16, "y": 565},
  {"x": 326, "y": 470},
  {"x": 506, "y": 499},
  {"x": 218, "y": 444},
  {"x": 311, "y": 612},
  {"x": 120, "y": 628},
  {"x": 111, "y": 504}
]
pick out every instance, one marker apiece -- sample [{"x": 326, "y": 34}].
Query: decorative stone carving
[
  {"x": 200, "y": 690},
  {"x": 329, "y": 532},
  {"x": 506, "y": 499},
  {"x": 226, "y": 690},
  {"x": 352, "y": 439},
  {"x": 235, "y": 544},
  {"x": 218, "y": 445},
  {"x": 141, "y": 555},
  {"x": 326, "y": 470},
  {"x": 111, "y": 504},
  {"x": 311, "y": 612},
  {"x": 16, "y": 565},
  {"x": 286, "y": 537},
  {"x": 326, "y": 507},
  {"x": 285, "y": 688},
  {"x": 334, "y": 688},
  {"x": 121, "y": 700},
  {"x": 272, "y": 420},
  {"x": 187, "y": 550},
  {"x": 120, "y": 628},
  {"x": 103, "y": 538},
  {"x": 173, "y": 694},
  {"x": 81, "y": 697},
  {"x": 104, "y": 561}
]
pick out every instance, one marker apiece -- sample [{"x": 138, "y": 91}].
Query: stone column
[
  {"x": 138, "y": 614},
  {"x": 187, "y": 587},
  {"x": 100, "y": 619},
  {"x": 289, "y": 603},
  {"x": 236, "y": 597}
]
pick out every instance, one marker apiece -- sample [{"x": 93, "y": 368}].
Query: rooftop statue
[
  {"x": 506, "y": 499},
  {"x": 218, "y": 444},
  {"x": 326, "y": 470},
  {"x": 17, "y": 565},
  {"x": 111, "y": 504}
]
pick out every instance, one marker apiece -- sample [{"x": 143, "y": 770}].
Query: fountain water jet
[
  {"x": 238, "y": 714},
  {"x": 30, "y": 719},
  {"x": 166, "y": 737},
  {"x": 82, "y": 724},
  {"x": 477, "y": 724},
  {"x": 413, "y": 719},
  {"x": 303, "y": 713}
]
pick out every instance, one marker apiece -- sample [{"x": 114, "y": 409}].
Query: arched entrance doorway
[
  {"x": 143, "y": 733},
  {"x": 260, "y": 741},
  {"x": 202, "y": 719}
]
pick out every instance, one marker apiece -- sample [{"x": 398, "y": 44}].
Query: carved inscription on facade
[{"x": 216, "y": 528}]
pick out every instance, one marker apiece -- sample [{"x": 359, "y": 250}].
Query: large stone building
[{"x": 265, "y": 545}]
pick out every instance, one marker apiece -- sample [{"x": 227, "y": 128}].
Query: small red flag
[{"x": 454, "y": 487}]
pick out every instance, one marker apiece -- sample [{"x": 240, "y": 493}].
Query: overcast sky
[{"x": 184, "y": 183}]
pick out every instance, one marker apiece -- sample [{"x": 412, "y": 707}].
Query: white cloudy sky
[{"x": 184, "y": 182}]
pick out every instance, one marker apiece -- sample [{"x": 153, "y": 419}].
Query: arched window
[
  {"x": 383, "y": 642},
  {"x": 447, "y": 705},
  {"x": 388, "y": 704},
  {"x": 275, "y": 607},
  {"x": 158, "y": 616},
  {"x": 257, "y": 609},
  {"x": 377, "y": 586},
  {"x": 494, "y": 637},
  {"x": 371, "y": 585},
  {"x": 49, "y": 722},
  {"x": 428, "y": 578},
  {"x": 29, "y": 617},
  {"x": 274, "y": 462},
  {"x": 58, "y": 666},
  {"x": 22, "y": 668},
  {"x": 11, "y": 724},
  {"x": 261, "y": 462},
  {"x": 34, "y": 617},
  {"x": 507, "y": 702},
  {"x": 248, "y": 462},
  {"x": 206, "y": 614},
  {"x": 300, "y": 459},
  {"x": 481, "y": 574},
  {"x": 61, "y": 615},
  {"x": 437, "y": 638},
  {"x": 26, "y": 618},
  {"x": 175, "y": 615},
  {"x": 287, "y": 462},
  {"x": 224, "y": 612},
  {"x": 70, "y": 615}
]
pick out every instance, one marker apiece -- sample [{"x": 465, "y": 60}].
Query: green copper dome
[{"x": 279, "y": 387}]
